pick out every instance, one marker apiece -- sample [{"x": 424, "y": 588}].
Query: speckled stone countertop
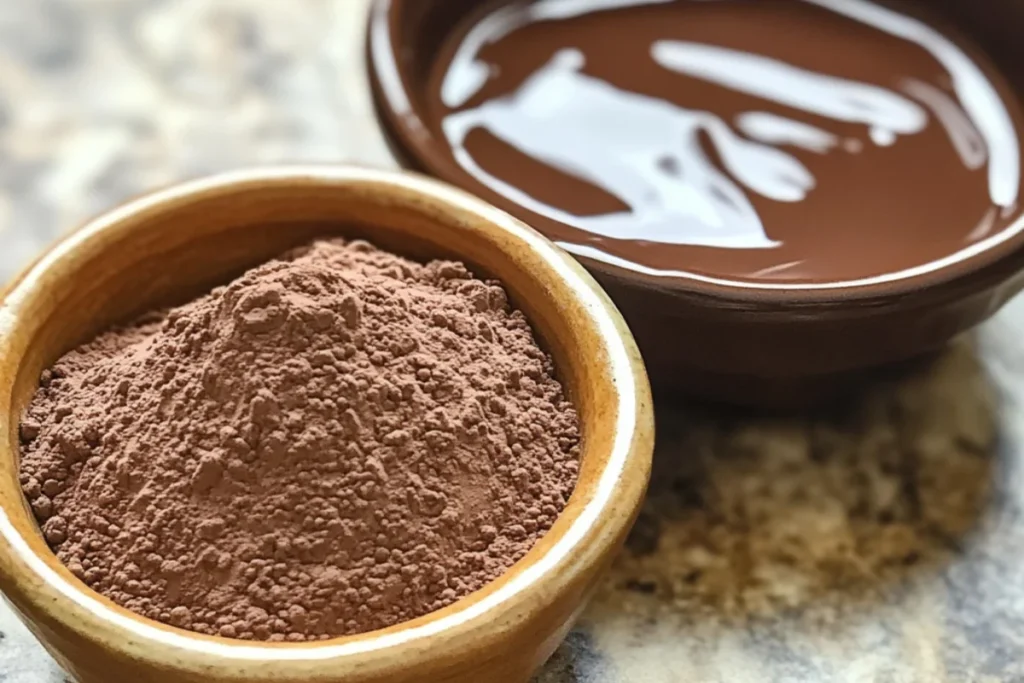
[{"x": 883, "y": 541}]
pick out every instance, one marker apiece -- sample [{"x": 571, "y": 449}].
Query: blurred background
[
  {"x": 878, "y": 541},
  {"x": 103, "y": 99}
]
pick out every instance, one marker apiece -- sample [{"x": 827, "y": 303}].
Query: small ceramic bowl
[
  {"x": 774, "y": 345},
  {"x": 170, "y": 246}
]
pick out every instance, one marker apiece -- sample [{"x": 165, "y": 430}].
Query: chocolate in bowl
[{"x": 839, "y": 190}]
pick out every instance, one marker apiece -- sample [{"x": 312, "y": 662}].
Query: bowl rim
[
  {"x": 971, "y": 269},
  {"x": 89, "y": 614}
]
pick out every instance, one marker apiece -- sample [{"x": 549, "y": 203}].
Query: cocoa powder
[{"x": 339, "y": 440}]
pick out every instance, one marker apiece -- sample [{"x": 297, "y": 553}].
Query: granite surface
[{"x": 881, "y": 541}]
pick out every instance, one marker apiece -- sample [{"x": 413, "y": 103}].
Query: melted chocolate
[{"x": 793, "y": 143}]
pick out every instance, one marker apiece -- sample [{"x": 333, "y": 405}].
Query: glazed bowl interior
[{"x": 174, "y": 245}]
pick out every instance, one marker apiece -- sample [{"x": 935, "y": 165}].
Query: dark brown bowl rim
[{"x": 990, "y": 263}]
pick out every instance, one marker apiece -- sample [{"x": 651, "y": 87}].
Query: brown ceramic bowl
[
  {"x": 773, "y": 345},
  {"x": 177, "y": 243}
]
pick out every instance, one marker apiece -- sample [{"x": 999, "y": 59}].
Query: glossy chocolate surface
[{"x": 793, "y": 141}]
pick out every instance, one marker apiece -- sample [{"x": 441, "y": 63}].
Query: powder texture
[{"x": 339, "y": 440}]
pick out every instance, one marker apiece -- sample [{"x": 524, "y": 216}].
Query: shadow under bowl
[
  {"x": 767, "y": 348},
  {"x": 173, "y": 245}
]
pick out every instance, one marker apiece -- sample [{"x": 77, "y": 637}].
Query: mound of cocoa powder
[{"x": 337, "y": 441}]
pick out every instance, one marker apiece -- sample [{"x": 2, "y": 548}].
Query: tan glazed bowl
[{"x": 172, "y": 245}]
